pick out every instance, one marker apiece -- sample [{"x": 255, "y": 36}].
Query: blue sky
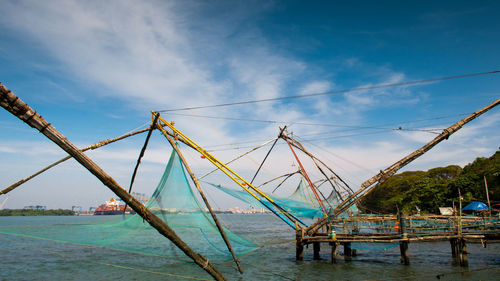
[{"x": 95, "y": 69}]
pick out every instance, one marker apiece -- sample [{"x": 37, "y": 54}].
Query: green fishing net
[
  {"x": 173, "y": 201},
  {"x": 301, "y": 203},
  {"x": 302, "y": 194},
  {"x": 303, "y": 208}
]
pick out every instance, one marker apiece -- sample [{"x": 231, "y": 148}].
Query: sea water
[{"x": 26, "y": 258}]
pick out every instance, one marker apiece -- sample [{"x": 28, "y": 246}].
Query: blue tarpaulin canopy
[{"x": 475, "y": 206}]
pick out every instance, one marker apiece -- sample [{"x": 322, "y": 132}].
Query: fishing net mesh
[
  {"x": 173, "y": 201},
  {"x": 300, "y": 203}
]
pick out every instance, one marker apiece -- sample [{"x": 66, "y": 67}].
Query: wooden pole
[
  {"x": 453, "y": 244},
  {"x": 141, "y": 154},
  {"x": 460, "y": 213},
  {"x": 262, "y": 163},
  {"x": 403, "y": 247},
  {"x": 18, "y": 108},
  {"x": 487, "y": 193},
  {"x": 347, "y": 251},
  {"x": 462, "y": 253},
  {"x": 299, "y": 245},
  {"x": 334, "y": 252},
  {"x": 316, "y": 250},
  {"x": 198, "y": 187},
  {"x": 311, "y": 184}
]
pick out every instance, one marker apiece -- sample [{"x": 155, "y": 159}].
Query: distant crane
[{"x": 76, "y": 209}]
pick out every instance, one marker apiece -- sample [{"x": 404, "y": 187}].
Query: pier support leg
[
  {"x": 316, "y": 249},
  {"x": 453, "y": 244},
  {"x": 299, "y": 252},
  {"x": 299, "y": 244},
  {"x": 462, "y": 253},
  {"x": 405, "y": 256},
  {"x": 354, "y": 252},
  {"x": 334, "y": 252},
  {"x": 347, "y": 251}
]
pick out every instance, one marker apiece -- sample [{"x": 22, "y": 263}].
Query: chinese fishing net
[{"x": 173, "y": 201}]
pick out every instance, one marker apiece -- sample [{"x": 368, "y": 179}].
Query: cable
[
  {"x": 334, "y": 134},
  {"x": 316, "y": 124},
  {"x": 308, "y": 140},
  {"x": 381, "y": 86},
  {"x": 353, "y": 128}
]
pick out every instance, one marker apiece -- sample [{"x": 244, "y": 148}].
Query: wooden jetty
[{"x": 402, "y": 230}]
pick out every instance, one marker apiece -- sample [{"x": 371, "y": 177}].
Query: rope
[
  {"x": 351, "y": 127},
  {"x": 205, "y": 266},
  {"x": 380, "y": 86},
  {"x": 244, "y": 154}
]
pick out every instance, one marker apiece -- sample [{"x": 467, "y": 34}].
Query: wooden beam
[{"x": 18, "y": 108}]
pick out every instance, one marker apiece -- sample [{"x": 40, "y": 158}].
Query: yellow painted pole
[{"x": 225, "y": 169}]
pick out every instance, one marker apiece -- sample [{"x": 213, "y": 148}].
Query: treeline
[
  {"x": 29, "y": 212},
  {"x": 438, "y": 187}
]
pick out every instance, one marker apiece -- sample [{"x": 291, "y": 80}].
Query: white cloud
[
  {"x": 30, "y": 148},
  {"x": 316, "y": 87},
  {"x": 135, "y": 50}
]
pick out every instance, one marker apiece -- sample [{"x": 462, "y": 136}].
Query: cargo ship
[{"x": 117, "y": 207}]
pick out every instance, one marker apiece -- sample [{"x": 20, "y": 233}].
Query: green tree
[{"x": 436, "y": 187}]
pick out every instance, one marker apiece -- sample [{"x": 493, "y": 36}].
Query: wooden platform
[{"x": 403, "y": 230}]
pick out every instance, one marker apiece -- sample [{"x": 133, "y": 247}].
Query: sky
[{"x": 95, "y": 70}]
